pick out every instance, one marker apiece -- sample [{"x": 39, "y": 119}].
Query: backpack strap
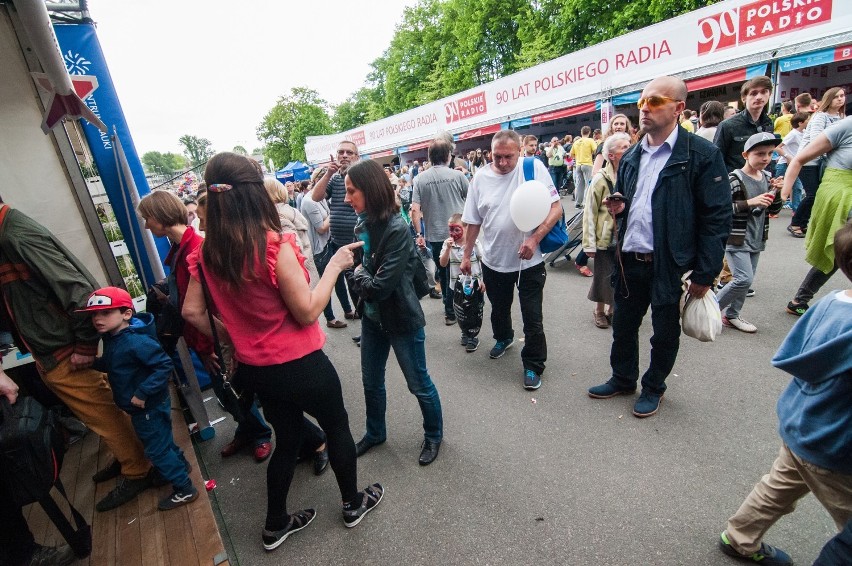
[
  {"x": 529, "y": 168},
  {"x": 79, "y": 539}
]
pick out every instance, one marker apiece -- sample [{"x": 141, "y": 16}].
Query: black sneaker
[
  {"x": 298, "y": 521},
  {"x": 797, "y": 309},
  {"x": 370, "y": 497},
  {"x": 125, "y": 491},
  {"x": 52, "y": 556},
  {"x": 463, "y": 340},
  {"x": 750, "y": 293},
  {"x": 178, "y": 498},
  {"x": 500, "y": 348},
  {"x": 532, "y": 380},
  {"x": 472, "y": 345},
  {"x": 765, "y": 555},
  {"x": 113, "y": 470}
]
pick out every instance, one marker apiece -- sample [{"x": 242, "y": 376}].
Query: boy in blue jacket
[
  {"x": 815, "y": 414},
  {"x": 138, "y": 371}
]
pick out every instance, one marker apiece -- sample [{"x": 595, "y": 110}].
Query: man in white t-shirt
[{"x": 511, "y": 257}]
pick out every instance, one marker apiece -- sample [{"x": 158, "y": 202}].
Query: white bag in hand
[{"x": 700, "y": 318}]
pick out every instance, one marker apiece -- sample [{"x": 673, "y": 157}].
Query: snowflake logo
[{"x": 76, "y": 63}]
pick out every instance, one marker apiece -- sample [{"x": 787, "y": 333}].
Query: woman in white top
[{"x": 711, "y": 113}]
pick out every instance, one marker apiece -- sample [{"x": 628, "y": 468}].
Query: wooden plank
[
  {"x": 153, "y": 552},
  {"x": 128, "y": 539},
  {"x": 103, "y": 524}
]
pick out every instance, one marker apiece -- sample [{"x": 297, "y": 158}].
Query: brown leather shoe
[
  {"x": 336, "y": 324},
  {"x": 601, "y": 321},
  {"x": 233, "y": 447}
]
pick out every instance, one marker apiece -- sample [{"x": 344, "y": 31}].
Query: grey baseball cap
[{"x": 763, "y": 138}]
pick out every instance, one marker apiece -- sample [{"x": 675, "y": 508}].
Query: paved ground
[{"x": 551, "y": 477}]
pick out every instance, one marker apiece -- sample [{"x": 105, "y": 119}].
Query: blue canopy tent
[{"x": 293, "y": 171}]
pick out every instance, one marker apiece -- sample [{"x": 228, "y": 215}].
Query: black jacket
[
  {"x": 386, "y": 276},
  {"x": 732, "y": 134},
  {"x": 691, "y": 214}
]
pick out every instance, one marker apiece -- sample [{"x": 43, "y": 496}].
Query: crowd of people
[{"x": 660, "y": 205}]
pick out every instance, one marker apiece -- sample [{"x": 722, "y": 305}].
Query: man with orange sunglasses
[{"x": 673, "y": 204}]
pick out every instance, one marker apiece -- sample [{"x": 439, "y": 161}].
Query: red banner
[
  {"x": 573, "y": 111},
  {"x": 729, "y": 77},
  {"x": 480, "y": 132}
]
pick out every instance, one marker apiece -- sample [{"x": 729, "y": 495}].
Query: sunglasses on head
[{"x": 655, "y": 101}]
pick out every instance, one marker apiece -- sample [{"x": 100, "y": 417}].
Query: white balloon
[{"x": 529, "y": 205}]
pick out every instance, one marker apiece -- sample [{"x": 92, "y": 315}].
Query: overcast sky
[{"x": 213, "y": 68}]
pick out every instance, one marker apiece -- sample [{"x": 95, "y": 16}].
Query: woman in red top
[
  {"x": 256, "y": 279},
  {"x": 165, "y": 215}
]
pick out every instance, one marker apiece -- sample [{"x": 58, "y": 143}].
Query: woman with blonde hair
[{"x": 292, "y": 221}]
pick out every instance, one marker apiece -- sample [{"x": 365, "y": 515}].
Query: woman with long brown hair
[
  {"x": 391, "y": 317},
  {"x": 257, "y": 282}
]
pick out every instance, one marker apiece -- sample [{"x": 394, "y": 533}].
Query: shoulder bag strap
[
  {"x": 217, "y": 345},
  {"x": 529, "y": 168}
]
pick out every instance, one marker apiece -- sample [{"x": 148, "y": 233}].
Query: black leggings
[{"x": 307, "y": 385}]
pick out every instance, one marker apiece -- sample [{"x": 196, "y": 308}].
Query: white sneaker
[{"x": 739, "y": 324}]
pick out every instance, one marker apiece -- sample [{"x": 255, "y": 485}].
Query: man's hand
[
  {"x": 420, "y": 241},
  {"x": 8, "y": 388},
  {"x": 78, "y": 361},
  {"x": 697, "y": 290},
  {"x": 465, "y": 265},
  {"x": 331, "y": 168},
  {"x": 527, "y": 249},
  {"x": 137, "y": 402}
]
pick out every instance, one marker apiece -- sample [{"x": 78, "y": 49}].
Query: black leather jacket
[{"x": 386, "y": 276}]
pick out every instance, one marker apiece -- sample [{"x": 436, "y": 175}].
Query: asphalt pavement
[{"x": 551, "y": 476}]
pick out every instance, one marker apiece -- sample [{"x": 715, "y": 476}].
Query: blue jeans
[
  {"x": 340, "y": 285},
  {"x": 410, "y": 352},
  {"x": 743, "y": 266},
  {"x": 798, "y": 188},
  {"x": 153, "y": 426}
]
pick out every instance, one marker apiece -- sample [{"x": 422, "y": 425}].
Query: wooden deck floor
[{"x": 135, "y": 534}]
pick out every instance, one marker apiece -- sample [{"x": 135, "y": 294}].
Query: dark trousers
[
  {"x": 809, "y": 176},
  {"x": 631, "y": 304},
  {"x": 838, "y": 550},
  {"x": 321, "y": 261},
  {"x": 442, "y": 274},
  {"x": 16, "y": 539},
  {"x": 500, "y": 288},
  {"x": 153, "y": 426},
  {"x": 340, "y": 286},
  {"x": 812, "y": 283},
  {"x": 287, "y": 391},
  {"x": 558, "y": 174}
]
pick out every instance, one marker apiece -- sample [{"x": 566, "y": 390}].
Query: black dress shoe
[
  {"x": 429, "y": 452},
  {"x": 321, "y": 461},
  {"x": 110, "y": 471},
  {"x": 363, "y": 445}
]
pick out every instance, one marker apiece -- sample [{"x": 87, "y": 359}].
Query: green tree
[
  {"x": 294, "y": 117},
  {"x": 197, "y": 150},
  {"x": 163, "y": 163},
  {"x": 240, "y": 150}
]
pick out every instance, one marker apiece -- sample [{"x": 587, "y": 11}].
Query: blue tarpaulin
[{"x": 293, "y": 171}]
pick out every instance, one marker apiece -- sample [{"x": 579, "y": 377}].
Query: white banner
[{"x": 705, "y": 38}]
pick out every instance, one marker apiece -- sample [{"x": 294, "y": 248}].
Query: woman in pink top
[{"x": 258, "y": 283}]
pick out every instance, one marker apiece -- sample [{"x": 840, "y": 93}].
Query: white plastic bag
[{"x": 700, "y": 318}]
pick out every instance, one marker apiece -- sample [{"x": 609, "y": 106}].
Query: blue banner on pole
[{"x": 82, "y": 53}]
